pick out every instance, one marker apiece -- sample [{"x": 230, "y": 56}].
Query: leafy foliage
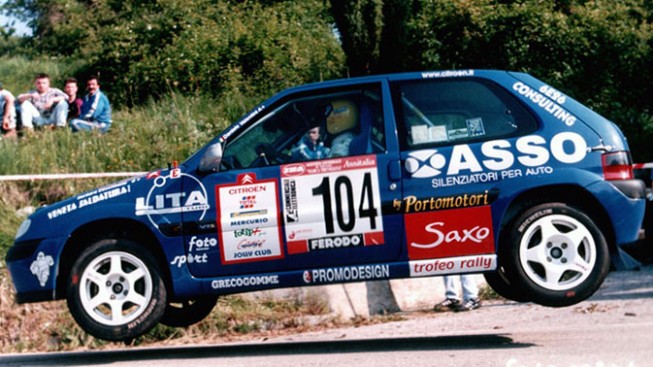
[
  {"x": 599, "y": 52},
  {"x": 146, "y": 49}
]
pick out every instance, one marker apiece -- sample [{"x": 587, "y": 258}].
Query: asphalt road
[{"x": 612, "y": 329}]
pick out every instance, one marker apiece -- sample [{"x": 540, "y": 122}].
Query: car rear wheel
[
  {"x": 188, "y": 312},
  {"x": 115, "y": 291},
  {"x": 558, "y": 255},
  {"x": 498, "y": 281}
]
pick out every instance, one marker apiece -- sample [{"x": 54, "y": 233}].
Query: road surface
[{"x": 614, "y": 328}]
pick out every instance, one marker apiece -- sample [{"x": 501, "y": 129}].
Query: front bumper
[{"x": 33, "y": 267}]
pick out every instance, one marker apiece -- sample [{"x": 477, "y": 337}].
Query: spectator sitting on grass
[
  {"x": 74, "y": 103},
  {"x": 8, "y": 112},
  {"x": 96, "y": 110},
  {"x": 41, "y": 106}
]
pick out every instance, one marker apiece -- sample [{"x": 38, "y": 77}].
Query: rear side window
[{"x": 446, "y": 112}]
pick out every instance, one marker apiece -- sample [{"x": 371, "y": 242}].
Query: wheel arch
[
  {"x": 573, "y": 195},
  {"x": 107, "y": 228}
]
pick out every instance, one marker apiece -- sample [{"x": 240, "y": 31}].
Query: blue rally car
[{"x": 381, "y": 177}]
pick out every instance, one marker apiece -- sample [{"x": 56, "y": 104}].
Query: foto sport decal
[
  {"x": 332, "y": 204},
  {"x": 447, "y": 233},
  {"x": 248, "y": 220}
]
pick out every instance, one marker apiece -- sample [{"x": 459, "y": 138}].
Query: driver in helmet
[{"x": 340, "y": 122}]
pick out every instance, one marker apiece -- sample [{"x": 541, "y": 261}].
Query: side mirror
[{"x": 211, "y": 159}]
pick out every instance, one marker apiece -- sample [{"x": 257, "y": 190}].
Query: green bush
[
  {"x": 599, "y": 52},
  {"x": 144, "y": 49}
]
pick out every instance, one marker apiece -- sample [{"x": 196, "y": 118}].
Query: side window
[
  {"x": 443, "y": 112},
  {"x": 309, "y": 127}
]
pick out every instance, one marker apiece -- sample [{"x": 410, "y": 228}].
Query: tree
[{"x": 373, "y": 33}]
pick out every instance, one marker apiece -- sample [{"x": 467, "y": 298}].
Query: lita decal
[
  {"x": 159, "y": 203},
  {"x": 450, "y": 233}
]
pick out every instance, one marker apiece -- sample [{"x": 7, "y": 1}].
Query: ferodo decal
[
  {"x": 248, "y": 220},
  {"x": 159, "y": 203},
  {"x": 461, "y": 165},
  {"x": 332, "y": 204},
  {"x": 447, "y": 233}
]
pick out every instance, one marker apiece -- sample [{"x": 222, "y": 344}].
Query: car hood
[{"x": 104, "y": 202}]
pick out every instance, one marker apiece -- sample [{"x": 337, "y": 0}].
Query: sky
[{"x": 21, "y": 28}]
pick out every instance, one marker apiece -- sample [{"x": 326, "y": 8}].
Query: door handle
[{"x": 394, "y": 170}]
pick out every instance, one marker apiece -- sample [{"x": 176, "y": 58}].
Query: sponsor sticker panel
[
  {"x": 248, "y": 220},
  {"x": 449, "y": 233},
  {"x": 332, "y": 204}
]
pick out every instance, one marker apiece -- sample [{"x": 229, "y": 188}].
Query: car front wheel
[
  {"x": 558, "y": 256},
  {"x": 115, "y": 291}
]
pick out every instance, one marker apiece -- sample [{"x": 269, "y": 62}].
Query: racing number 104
[{"x": 342, "y": 186}]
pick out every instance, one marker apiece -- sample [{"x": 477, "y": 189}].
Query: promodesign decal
[
  {"x": 453, "y": 265},
  {"x": 347, "y": 274},
  {"x": 449, "y": 233},
  {"x": 158, "y": 204},
  {"x": 461, "y": 166},
  {"x": 248, "y": 220},
  {"x": 332, "y": 204}
]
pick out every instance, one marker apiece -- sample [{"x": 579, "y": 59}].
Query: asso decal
[
  {"x": 159, "y": 203},
  {"x": 244, "y": 282},
  {"x": 411, "y": 204},
  {"x": 93, "y": 197},
  {"x": 453, "y": 265},
  {"x": 40, "y": 267},
  {"x": 346, "y": 274},
  {"x": 447, "y": 233},
  {"x": 495, "y": 159},
  {"x": 332, "y": 204},
  {"x": 545, "y": 103},
  {"x": 248, "y": 220}
]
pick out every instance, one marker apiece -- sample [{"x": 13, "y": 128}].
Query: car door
[
  {"x": 283, "y": 201},
  {"x": 455, "y": 136}
]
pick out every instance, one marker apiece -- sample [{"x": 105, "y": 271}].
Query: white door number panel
[{"x": 332, "y": 204}]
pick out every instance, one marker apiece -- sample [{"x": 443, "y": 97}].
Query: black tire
[
  {"x": 499, "y": 282},
  {"x": 188, "y": 312},
  {"x": 116, "y": 274},
  {"x": 557, "y": 255}
]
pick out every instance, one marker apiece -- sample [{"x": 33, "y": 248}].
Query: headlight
[{"x": 23, "y": 228}]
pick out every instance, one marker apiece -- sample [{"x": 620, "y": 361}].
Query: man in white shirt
[{"x": 43, "y": 106}]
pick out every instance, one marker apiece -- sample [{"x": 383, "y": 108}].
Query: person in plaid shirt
[{"x": 43, "y": 106}]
